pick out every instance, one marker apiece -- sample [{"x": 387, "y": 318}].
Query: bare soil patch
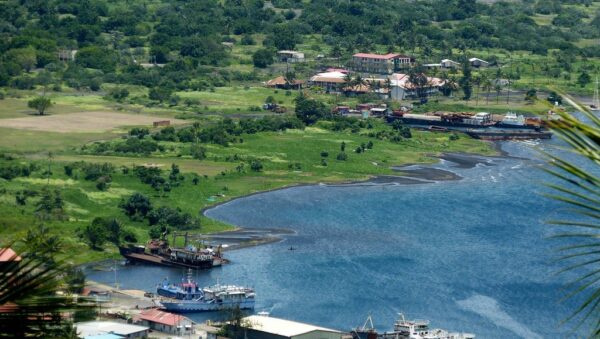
[{"x": 82, "y": 122}]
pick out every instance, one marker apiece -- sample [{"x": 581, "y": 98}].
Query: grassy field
[{"x": 288, "y": 158}]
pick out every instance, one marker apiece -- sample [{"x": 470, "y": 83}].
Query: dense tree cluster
[{"x": 114, "y": 38}]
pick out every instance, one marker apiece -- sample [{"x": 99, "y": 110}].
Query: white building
[
  {"x": 476, "y": 62},
  {"x": 402, "y": 88},
  {"x": 261, "y": 327},
  {"x": 329, "y": 81},
  {"x": 447, "y": 63},
  {"x": 290, "y": 56},
  {"x": 97, "y": 328}
]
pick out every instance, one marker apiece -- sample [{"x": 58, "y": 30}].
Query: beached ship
[
  {"x": 187, "y": 296},
  {"x": 408, "y": 329},
  {"x": 159, "y": 252}
]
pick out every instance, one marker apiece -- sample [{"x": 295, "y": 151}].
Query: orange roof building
[{"x": 165, "y": 322}]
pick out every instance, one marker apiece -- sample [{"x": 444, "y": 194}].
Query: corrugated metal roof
[
  {"x": 282, "y": 327},
  {"x": 162, "y": 317},
  {"x": 379, "y": 56},
  {"x": 90, "y": 328}
]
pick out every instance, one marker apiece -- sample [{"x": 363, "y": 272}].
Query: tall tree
[{"x": 465, "y": 81}]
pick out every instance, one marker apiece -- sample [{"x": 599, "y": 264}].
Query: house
[
  {"x": 283, "y": 83},
  {"x": 67, "y": 54},
  {"x": 89, "y": 329},
  {"x": 8, "y": 257},
  {"x": 447, "y": 63},
  {"x": 380, "y": 63},
  {"x": 432, "y": 66},
  {"x": 402, "y": 88},
  {"x": 290, "y": 56},
  {"x": 476, "y": 62},
  {"x": 329, "y": 81},
  {"x": 165, "y": 322},
  {"x": 261, "y": 327}
]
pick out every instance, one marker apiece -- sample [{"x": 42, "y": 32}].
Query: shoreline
[{"x": 409, "y": 174}]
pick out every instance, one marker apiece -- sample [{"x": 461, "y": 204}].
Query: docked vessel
[
  {"x": 408, "y": 329},
  {"x": 444, "y": 121},
  {"x": 159, "y": 252},
  {"x": 508, "y": 134},
  {"x": 189, "y": 297}
]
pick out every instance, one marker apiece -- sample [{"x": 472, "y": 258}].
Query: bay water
[{"x": 469, "y": 255}]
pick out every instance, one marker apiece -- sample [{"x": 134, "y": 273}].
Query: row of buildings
[
  {"x": 370, "y": 63},
  {"x": 383, "y": 74}
]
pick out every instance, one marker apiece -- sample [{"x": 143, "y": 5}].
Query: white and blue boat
[{"x": 189, "y": 297}]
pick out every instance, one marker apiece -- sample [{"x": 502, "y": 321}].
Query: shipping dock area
[{"x": 482, "y": 125}]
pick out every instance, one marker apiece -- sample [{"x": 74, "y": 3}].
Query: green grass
[
  {"x": 238, "y": 99},
  {"x": 220, "y": 181},
  {"x": 24, "y": 141}
]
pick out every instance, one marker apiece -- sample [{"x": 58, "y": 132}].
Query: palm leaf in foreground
[
  {"x": 579, "y": 188},
  {"x": 29, "y": 304}
]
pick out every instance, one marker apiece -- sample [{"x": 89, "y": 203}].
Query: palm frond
[
  {"x": 29, "y": 303},
  {"x": 578, "y": 187}
]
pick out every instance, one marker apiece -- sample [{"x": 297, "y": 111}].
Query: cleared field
[{"x": 84, "y": 122}]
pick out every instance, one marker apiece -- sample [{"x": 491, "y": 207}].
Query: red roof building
[
  {"x": 380, "y": 63},
  {"x": 8, "y": 255},
  {"x": 165, "y": 322}
]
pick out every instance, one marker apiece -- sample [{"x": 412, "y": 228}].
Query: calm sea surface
[{"x": 468, "y": 255}]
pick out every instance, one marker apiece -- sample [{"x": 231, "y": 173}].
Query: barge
[
  {"x": 479, "y": 126},
  {"x": 505, "y": 134}
]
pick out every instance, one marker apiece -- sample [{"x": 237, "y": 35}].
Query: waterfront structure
[
  {"x": 290, "y": 56},
  {"x": 96, "y": 328},
  {"x": 166, "y": 322},
  {"x": 380, "y": 63},
  {"x": 266, "y": 327}
]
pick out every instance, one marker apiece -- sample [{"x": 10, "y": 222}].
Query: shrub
[
  {"x": 324, "y": 154},
  {"x": 137, "y": 205},
  {"x": 342, "y": 156},
  {"x": 256, "y": 166}
]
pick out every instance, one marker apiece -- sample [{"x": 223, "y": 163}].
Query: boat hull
[
  {"x": 155, "y": 259},
  {"x": 192, "y": 306},
  {"x": 509, "y": 135}
]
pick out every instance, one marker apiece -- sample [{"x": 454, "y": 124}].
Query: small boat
[
  {"x": 419, "y": 329},
  {"x": 365, "y": 332},
  {"x": 189, "y": 297}
]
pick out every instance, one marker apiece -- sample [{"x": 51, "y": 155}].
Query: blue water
[{"x": 468, "y": 255}]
